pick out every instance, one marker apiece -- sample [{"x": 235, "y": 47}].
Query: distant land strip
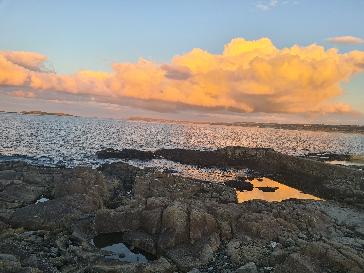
[{"x": 353, "y": 129}]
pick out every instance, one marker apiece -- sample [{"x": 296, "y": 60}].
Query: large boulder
[{"x": 174, "y": 229}]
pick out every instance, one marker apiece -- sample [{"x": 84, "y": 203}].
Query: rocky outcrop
[
  {"x": 327, "y": 181},
  {"x": 175, "y": 187},
  {"x": 182, "y": 224}
]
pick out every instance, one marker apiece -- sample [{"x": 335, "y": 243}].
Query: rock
[
  {"x": 124, "y": 218},
  {"x": 233, "y": 250},
  {"x": 125, "y": 154},
  {"x": 9, "y": 264},
  {"x": 247, "y": 268},
  {"x": 202, "y": 224},
  {"x": 81, "y": 181},
  {"x": 141, "y": 240},
  {"x": 194, "y": 224},
  {"x": 151, "y": 220},
  {"x": 8, "y": 257},
  {"x": 162, "y": 265},
  {"x": 58, "y": 213},
  {"x": 267, "y": 189},
  {"x": 174, "y": 228},
  {"x": 296, "y": 263},
  {"x": 174, "y": 187},
  {"x": 240, "y": 185}
]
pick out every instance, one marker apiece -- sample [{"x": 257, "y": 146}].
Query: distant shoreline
[
  {"x": 354, "y": 129},
  {"x": 38, "y": 113},
  {"x": 315, "y": 127}
]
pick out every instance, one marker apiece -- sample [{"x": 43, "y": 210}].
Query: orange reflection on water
[{"x": 283, "y": 192}]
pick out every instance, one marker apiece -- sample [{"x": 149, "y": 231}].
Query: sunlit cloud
[
  {"x": 246, "y": 77},
  {"x": 348, "y": 40}
]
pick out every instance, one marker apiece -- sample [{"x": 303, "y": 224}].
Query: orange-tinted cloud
[
  {"x": 248, "y": 76},
  {"x": 349, "y": 40}
]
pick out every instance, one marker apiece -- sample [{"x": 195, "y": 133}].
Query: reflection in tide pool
[
  {"x": 270, "y": 190},
  {"x": 205, "y": 174},
  {"x": 346, "y": 163}
]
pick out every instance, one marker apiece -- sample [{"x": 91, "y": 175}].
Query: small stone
[
  {"x": 273, "y": 244},
  {"x": 7, "y": 257},
  {"x": 194, "y": 270},
  {"x": 248, "y": 268},
  {"x": 289, "y": 242}
]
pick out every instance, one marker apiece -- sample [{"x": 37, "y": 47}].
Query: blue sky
[
  {"x": 93, "y": 34},
  {"x": 90, "y": 34}
]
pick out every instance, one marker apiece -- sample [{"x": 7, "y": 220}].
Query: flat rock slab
[{"x": 52, "y": 214}]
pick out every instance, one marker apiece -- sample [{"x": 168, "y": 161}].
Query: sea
[{"x": 74, "y": 141}]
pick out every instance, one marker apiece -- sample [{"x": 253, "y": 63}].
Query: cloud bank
[{"x": 248, "y": 76}]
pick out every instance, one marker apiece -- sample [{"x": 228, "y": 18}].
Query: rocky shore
[{"x": 50, "y": 216}]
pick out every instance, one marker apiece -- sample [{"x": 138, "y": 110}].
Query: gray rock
[{"x": 247, "y": 268}]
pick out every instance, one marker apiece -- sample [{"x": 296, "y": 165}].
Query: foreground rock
[{"x": 182, "y": 224}]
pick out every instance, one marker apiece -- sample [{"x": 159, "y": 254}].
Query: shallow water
[
  {"x": 112, "y": 243},
  {"x": 281, "y": 192},
  {"x": 42, "y": 200},
  {"x": 74, "y": 140}
]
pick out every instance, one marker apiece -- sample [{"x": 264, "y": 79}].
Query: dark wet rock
[
  {"x": 247, "y": 268},
  {"x": 124, "y": 173},
  {"x": 268, "y": 189},
  {"x": 240, "y": 185},
  {"x": 125, "y": 154}
]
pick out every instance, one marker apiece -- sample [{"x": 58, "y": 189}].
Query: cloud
[
  {"x": 246, "y": 77},
  {"x": 266, "y": 5},
  {"x": 176, "y": 72},
  {"x": 348, "y": 40},
  {"x": 28, "y": 60}
]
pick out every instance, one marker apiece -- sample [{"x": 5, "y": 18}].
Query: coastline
[{"x": 180, "y": 223}]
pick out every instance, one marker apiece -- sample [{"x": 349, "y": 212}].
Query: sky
[{"x": 268, "y": 60}]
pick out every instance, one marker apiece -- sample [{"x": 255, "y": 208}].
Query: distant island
[
  {"x": 41, "y": 113},
  {"x": 356, "y": 129},
  {"x": 38, "y": 113}
]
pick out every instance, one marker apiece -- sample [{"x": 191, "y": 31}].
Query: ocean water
[{"x": 74, "y": 140}]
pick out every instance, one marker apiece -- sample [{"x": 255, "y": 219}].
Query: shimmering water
[{"x": 73, "y": 140}]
